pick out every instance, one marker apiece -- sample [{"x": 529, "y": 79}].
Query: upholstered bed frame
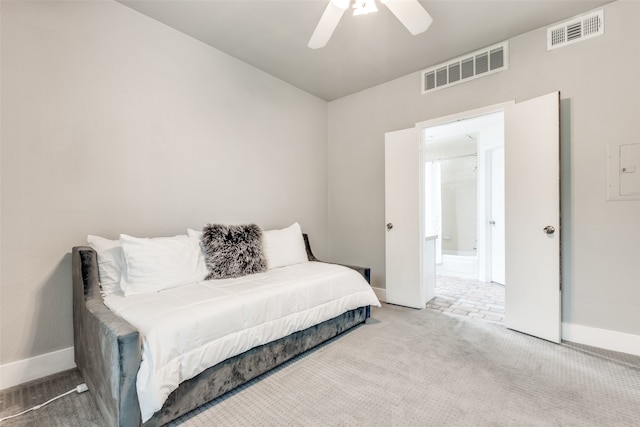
[{"x": 108, "y": 352}]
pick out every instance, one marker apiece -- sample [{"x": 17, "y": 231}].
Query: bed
[{"x": 110, "y": 354}]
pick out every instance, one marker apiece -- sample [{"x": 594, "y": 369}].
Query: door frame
[
  {"x": 469, "y": 114},
  {"x": 452, "y": 118},
  {"x": 489, "y": 205}
]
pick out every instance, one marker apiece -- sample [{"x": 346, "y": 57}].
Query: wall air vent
[
  {"x": 467, "y": 67},
  {"x": 576, "y": 29}
]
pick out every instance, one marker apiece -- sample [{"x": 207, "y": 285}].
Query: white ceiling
[{"x": 365, "y": 50}]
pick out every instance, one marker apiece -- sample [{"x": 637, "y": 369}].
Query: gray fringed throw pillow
[{"x": 233, "y": 250}]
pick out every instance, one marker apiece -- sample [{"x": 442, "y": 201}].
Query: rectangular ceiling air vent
[
  {"x": 467, "y": 67},
  {"x": 576, "y": 29}
]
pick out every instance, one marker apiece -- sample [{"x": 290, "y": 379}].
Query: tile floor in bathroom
[{"x": 469, "y": 298}]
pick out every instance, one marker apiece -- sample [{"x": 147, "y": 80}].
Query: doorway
[
  {"x": 464, "y": 208},
  {"x": 532, "y": 215}
]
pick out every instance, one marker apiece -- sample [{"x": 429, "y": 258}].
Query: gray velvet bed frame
[{"x": 108, "y": 352}]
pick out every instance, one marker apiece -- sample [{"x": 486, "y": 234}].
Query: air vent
[
  {"x": 467, "y": 67},
  {"x": 575, "y": 30}
]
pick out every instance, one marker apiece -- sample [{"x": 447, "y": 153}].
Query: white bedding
[{"x": 187, "y": 329}]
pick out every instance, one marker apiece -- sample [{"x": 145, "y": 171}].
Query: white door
[
  {"x": 402, "y": 211},
  {"x": 496, "y": 221},
  {"x": 532, "y": 210}
]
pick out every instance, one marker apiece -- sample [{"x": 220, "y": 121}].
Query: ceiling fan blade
[
  {"x": 328, "y": 23},
  {"x": 411, "y": 14}
]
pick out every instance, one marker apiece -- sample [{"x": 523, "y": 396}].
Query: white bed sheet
[{"x": 188, "y": 329}]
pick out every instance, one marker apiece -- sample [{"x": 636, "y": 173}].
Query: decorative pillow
[
  {"x": 153, "y": 264},
  {"x": 110, "y": 262},
  {"x": 233, "y": 250},
  {"x": 284, "y": 247}
]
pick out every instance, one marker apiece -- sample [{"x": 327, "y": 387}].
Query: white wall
[
  {"x": 114, "y": 123},
  {"x": 600, "y": 89}
]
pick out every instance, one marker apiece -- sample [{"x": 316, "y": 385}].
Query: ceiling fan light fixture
[
  {"x": 328, "y": 22},
  {"x": 409, "y": 12},
  {"x": 363, "y": 7}
]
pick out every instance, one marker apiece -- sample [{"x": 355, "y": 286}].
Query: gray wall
[
  {"x": 600, "y": 89},
  {"x": 114, "y": 123}
]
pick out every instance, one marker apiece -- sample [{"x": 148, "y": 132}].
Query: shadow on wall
[
  {"x": 566, "y": 235},
  {"x": 52, "y": 329}
]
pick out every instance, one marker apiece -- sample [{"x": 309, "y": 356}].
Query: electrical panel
[{"x": 623, "y": 171}]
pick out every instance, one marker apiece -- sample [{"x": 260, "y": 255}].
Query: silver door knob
[
  {"x": 389, "y": 226},
  {"x": 492, "y": 222},
  {"x": 549, "y": 229}
]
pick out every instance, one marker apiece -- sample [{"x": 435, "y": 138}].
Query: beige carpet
[{"x": 419, "y": 367}]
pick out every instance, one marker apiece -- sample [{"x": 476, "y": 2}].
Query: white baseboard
[
  {"x": 381, "y": 293},
  {"x": 602, "y": 338},
  {"x": 26, "y": 370}
]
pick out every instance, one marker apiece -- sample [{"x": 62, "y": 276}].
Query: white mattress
[{"x": 187, "y": 329}]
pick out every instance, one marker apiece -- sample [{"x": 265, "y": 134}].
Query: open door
[
  {"x": 532, "y": 217},
  {"x": 402, "y": 210}
]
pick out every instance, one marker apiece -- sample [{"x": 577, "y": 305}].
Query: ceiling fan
[{"x": 409, "y": 12}]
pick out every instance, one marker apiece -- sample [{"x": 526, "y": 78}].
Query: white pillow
[
  {"x": 153, "y": 264},
  {"x": 284, "y": 247},
  {"x": 194, "y": 233},
  {"x": 110, "y": 262}
]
